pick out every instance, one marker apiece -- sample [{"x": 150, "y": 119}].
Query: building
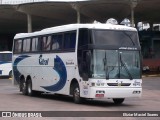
[{"x": 31, "y": 15}]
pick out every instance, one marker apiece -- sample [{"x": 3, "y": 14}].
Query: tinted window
[
  {"x": 18, "y": 46},
  {"x": 46, "y": 43},
  {"x": 5, "y": 56},
  {"x": 36, "y": 44},
  {"x": 119, "y": 38},
  {"x": 57, "y": 42},
  {"x": 69, "y": 40},
  {"x": 83, "y": 38},
  {"x": 26, "y": 45}
]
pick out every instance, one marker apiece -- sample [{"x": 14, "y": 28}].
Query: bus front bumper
[{"x": 115, "y": 92}]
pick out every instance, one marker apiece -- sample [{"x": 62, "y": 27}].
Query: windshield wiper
[
  {"x": 105, "y": 64},
  {"x": 123, "y": 64},
  {"x": 129, "y": 38}
]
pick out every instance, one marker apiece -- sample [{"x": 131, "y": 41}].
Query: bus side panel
[
  {"x": 59, "y": 74},
  {"x": 44, "y": 73},
  {"x": 20, "y": 67},
  {"x": 49, "y": 72}
]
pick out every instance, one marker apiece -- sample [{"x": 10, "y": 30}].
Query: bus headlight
[
  {"x": 93, "y": 84},
  {"x": 136, "y": 83},
  {"x": 97, "y": 84}
]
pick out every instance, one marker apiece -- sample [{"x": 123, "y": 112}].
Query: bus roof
[
  {"x": 70, "y": 27},
  {"x": 5, "y": 52}
]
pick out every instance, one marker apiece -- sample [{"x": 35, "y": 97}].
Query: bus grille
[{"x": 118, "y": 84}]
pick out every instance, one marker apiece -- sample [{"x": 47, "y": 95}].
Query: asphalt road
[{"x": 12, "y": 100}]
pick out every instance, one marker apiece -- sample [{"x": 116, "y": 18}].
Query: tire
[
  {"x": 10, "y": 74},
  {"x": 31, "y": 92},
  {"x": 118, "y": 101},
  {"x": 76, "y": 94},
  {"x": 29, "y": 87},
  {"x": 23, "y": 87}
]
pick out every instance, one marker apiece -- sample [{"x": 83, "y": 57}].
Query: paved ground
[{"x": 12, "y": 100}]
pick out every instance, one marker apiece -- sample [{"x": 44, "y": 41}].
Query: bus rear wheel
[
  {"x": 29, "y": 88},
  {"x": 31, "y": 92},
  {"x": 118, "y": 101},
  {"x": 23, "y": 87},
  {"x": 76, "y": 94}
]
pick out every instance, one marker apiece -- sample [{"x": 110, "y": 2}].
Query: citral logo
[{"x": 43, "y": 61}]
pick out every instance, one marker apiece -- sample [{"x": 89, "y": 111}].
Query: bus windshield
[
  {"x": 115, "y": 38},
  {"x": 114, "y": 64},
  {"x": 7, "y": 57}
]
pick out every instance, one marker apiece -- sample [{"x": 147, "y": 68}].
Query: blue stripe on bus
[
  {"x": 15, "y": 70},
  {"x": 2, "y": 62},
  {"x": 0, "y": 72},
  {"x": 60, "y": 68}
]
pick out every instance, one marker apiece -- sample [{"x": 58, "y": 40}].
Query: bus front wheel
[
  {"x": 76, "y": 94},
  {"x": 118, "y": 101}
]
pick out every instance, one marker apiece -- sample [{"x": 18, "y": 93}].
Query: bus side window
[
  {"x": 54, "y": 42},
  {"x": 6, "y": 57},
  {"x": 46, "y": 43},
  {"x": 66, "y": 40},
  {"x": 35, "y": 44},
  {"x": 70, "y": 40},
  {"x": 57, "y": 42},
  {"x": 18, "y": 46},
  {"x": 26, "y": 45},
  {"x": 73, "y": 40}
]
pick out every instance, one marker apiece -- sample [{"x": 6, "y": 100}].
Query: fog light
[
  {"x": 92, "y": 84},
  {"x": 136, "y": 92},
  {"x": 100, "y": 91}
]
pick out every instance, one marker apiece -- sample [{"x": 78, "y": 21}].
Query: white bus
[
  {"x": 6, "y": 63},
  {"x": 81, "y": 60}
]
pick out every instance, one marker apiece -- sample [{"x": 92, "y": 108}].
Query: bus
[
  {"x": 84, "y": 61},
  {"x": 6, "y": 63}
]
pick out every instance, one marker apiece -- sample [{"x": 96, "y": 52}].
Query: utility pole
[
  {"x": 76, "y": 7},
  {"x": 29, "y": 23},
  {"x": 133, "y": 4}
]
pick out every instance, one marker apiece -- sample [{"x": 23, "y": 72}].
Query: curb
[{"x": 155, "y": 75}]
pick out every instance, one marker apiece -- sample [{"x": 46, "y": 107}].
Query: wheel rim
[
  {"x": 23, "y": 86},
  {"x": 29, "y": 88},
  {"x": 76, "y": 94}
]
